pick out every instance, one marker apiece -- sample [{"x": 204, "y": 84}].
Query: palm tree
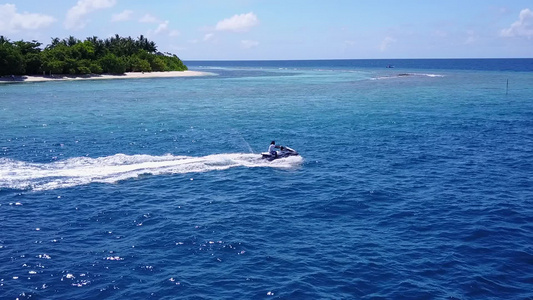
[
  {"x": 144, "y": 44},
  {"x": 55, "y": 41},
  {"x": 71, "y": 41},
  {"x": 3, "y": 39},
  {"x": 99, "y": 46}
]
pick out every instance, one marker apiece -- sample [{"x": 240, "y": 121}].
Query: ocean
[{"x": 414, "y": 181}]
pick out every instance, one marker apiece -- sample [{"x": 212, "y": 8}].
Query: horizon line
[{"x": 323, "y": 59}]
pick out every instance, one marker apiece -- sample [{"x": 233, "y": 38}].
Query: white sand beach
[{"x": 128, "y": 75}]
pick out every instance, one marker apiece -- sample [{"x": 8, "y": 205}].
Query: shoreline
[{"x": 127, "y": 75}]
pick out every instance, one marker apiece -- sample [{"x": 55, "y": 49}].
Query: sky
[{"x": 287, "y": 29}]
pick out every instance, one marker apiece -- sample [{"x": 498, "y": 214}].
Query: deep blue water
[
  {"x": 414, "y": 182},
  {"x": 494, "y": 64}
]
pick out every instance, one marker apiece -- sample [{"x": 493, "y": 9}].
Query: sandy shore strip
[{"x": 128, "y": 75}]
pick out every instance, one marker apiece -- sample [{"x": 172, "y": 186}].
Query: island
[{"x": 93, "y": 58}]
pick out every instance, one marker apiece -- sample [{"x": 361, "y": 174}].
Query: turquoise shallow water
[{"x": 413, "y": 182}]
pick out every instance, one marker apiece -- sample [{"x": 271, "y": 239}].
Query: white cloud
[
  {"x": 521, "y": 28},
  {"x": 247, "y": 44},
  {"x": 439, "y": 34},
  {"x": 385, "y": 44},
  {"x": 208, "y": 36},
  {"x": 349, "y": 43},
  {"x": 471, "y": 37},
  {"x": 163, "y": 29},
  {"x": 11, "y": 21},
  {"x": 238, "y": 23},
  {"x": 148, "y": 18},
  {"x": 123, "y": 16},
  {"x": 174, "y": 33},
  {"x": 75, "y": 15}
]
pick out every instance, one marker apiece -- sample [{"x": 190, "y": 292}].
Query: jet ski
[{"x": 281, "y": 153}]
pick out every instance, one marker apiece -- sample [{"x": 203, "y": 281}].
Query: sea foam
[{"x": 76, "y": 171}]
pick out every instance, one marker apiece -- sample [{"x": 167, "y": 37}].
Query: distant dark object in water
[
  {"x": 404, "y": 74},
  {"x": 390, "y": 66}
]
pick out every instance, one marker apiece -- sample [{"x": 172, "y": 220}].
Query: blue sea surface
[{"x": 414, "y": 182}]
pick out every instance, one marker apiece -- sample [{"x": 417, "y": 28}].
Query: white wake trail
[{"x": 110, "y": 169}]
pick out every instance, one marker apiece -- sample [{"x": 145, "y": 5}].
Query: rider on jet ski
[
  {"x": 282, "y": 153},
  {"x": 272, "y": 148}
]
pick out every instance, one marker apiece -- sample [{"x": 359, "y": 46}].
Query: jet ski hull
[{"x": 282, "y": 153}]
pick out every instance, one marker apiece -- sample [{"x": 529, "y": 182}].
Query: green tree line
[{"x": 114, "y": 55}]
